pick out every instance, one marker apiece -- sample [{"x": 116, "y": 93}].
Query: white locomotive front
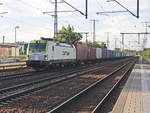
[{"x": 43, "y": 53}]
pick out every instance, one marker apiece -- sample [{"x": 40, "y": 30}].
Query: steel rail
[
  {"x": 18, "y": 75},
  {"x": 26, "y": 74},
  {"x": 52, "y": 77},
  {"x": 59, "y": 107},
  {"x": 4, "y": 97},
  {"x": 32, "y": 73},
  {"x": 111, "y": 90},
  {"x": 42, "y": 80},
  {"x": 35, "y": 86}
]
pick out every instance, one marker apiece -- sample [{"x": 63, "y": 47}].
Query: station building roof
[{"x": 9, "y": 45}]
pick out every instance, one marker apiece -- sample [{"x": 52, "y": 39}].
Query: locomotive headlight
[{"x": 45, "y": 57}]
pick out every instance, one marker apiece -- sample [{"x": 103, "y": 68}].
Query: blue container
[
  {"x": 121, "y": 54},
  {"x": 108, "y": 53},
  {"x": 117, "y": 54},
  {"x": 114, "y": 54}
]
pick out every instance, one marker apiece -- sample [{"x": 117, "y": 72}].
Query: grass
[{"x": 21, "y": 58}]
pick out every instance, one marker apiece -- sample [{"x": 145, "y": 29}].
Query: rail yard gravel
[{"x": 53, "y": 96}]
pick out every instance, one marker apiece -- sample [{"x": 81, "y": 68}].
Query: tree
[
  {"x": 102, "y": 45},
  {"x": 147, "y": 52},
  {"x": 68, "y": 35},
  {"x": 95, "y": 45},
  {"x": 117, "y": 50}
]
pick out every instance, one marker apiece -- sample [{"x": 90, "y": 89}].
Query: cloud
[{"x": 28, "y": 14}]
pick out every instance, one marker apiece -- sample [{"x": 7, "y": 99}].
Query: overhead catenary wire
[
  {"x": 125, "y": 8},
  {"x": 29, "y": 5},
  {"x": 99, "y": 5},
  {"x": 115, "y": 12},
  {"x": 74, "y": 7}
]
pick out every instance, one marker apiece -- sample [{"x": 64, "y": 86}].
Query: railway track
[
  {"x": 14, "y": 80},
  {"x": 28, "y": 74},
  {"x": 18, "y": 75},
  {"x": 7, "y": 94},
  {"x": 16, "y": 92},
  {"x": 90, "y": 99},
  {"x": 35, "y": 73},
  {"x": 24, "y": 78}
]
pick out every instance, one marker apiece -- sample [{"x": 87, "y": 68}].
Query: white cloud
[{"x": 28, "y": 15}]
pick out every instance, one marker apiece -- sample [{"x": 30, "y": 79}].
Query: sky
[{"x": 33, "y": 24}]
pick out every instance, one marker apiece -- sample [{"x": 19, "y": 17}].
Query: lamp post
[
  {"x": 3, "y": 39},
  {"x": 16, "y": 27}
]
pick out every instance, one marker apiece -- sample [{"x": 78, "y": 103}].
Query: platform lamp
[{"x": 16, "y": 27}]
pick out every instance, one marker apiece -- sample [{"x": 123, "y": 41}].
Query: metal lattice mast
[
  {"x": 55, "y": 20},
  {"x": 56, "y": 13},
  {"x": 94, "y": 28}
]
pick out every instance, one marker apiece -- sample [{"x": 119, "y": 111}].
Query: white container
[{"x": 98, "y": 53}]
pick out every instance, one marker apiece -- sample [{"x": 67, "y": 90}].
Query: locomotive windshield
[{"x": 37, "y": 47}]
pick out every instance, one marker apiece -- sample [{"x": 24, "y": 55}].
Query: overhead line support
[
  {"x": 94, "y": 32},
  {"x": 55, "y": 21},
  {"x": 127, "y": 10}
]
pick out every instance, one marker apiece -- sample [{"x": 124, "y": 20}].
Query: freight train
[{"x": 46, "y": 52}]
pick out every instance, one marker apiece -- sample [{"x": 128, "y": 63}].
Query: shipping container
[
  {"x": 117, "y": 54},
  {"x": 98, "y": 53},
  {"x": 85, "y": 53},
  {"x": 122, "y": 54},
  {"x": 91, "y": 53},
  {"x": 103, "y": 53},
  {"x": 108, "y": 53},
  {"x": 81, "y": 52},
  {"x": 113, "y": 54}
]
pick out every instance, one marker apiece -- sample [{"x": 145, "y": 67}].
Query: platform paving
[{"x": 135, "y": 96}]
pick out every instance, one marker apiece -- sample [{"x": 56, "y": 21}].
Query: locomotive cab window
[{"x": 37, "y": 47}]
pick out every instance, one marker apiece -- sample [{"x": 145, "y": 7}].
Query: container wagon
[
  {"x": 91, "y": 53},
  {"x": 81, "y": 52},
  {"x": 43, "y": 53},
  {"x": 98, "y": 53},
  {"x": 103, "y": 53},
  {"x": 107, "y": 53},
  {"x": 111, "y": 52},
  {"x": 84, "y": 53}
]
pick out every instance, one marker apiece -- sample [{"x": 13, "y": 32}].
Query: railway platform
[{"x": 135, "y": 96}]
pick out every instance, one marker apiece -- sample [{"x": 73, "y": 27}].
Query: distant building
[
  {"x": 23, "y": 48},
  {"x": 8, "y": 50}
]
